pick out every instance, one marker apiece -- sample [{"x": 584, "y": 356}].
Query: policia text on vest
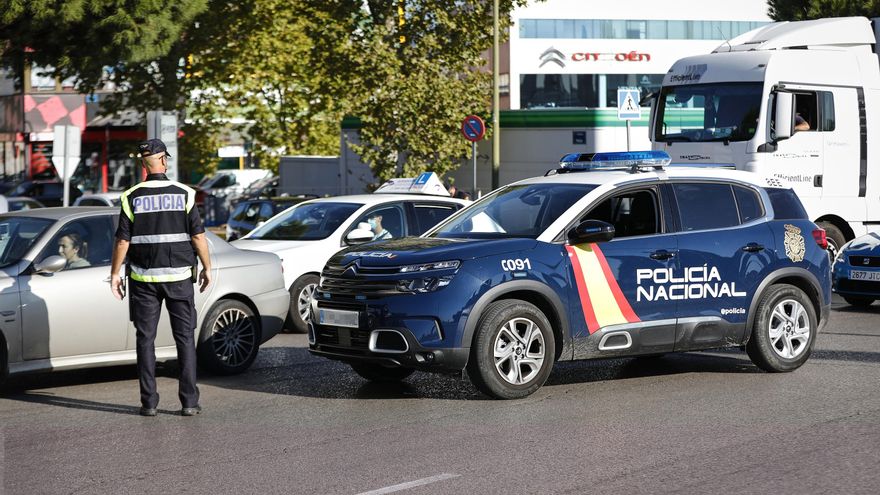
[{"x": 161, "y": 234}]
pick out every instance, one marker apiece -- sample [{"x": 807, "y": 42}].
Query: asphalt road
[{"x": 706, "y": 422}]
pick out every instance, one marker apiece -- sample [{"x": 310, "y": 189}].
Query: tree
[
  {"x": 411, "y": 70},
  {"x": 799, "y": 10},
  {"x": 78, "y": 38}
]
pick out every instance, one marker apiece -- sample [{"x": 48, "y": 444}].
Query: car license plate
[
  {"x": 864, "y": 275},
  {"x": 338, "y": 318}
]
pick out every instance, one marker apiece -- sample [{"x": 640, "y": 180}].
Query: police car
[
  {"x": 610, "y": 255},
  {"x": 856, "y": 271},
  {"x": 306, "y": 235}
]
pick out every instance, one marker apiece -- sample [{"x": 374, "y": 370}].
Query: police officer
[{"x": 159, "y": 229}]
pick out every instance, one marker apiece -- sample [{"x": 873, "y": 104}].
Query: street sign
[
  {"x": 66, "y": 146},
  {"x": 163, "y": 125},
  {"x": 628, "y": 104},
  {"x": 473, "y": 128}
]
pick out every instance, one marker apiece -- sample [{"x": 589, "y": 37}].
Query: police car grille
[
  {"x": 347, "y": 338},
  {"x": 857, "y": 261},
  {"x": 366, "y": 281}
]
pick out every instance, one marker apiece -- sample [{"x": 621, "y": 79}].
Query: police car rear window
[
  {"x": 516, "y": 211},
  {"x": 786, "y": 205}
]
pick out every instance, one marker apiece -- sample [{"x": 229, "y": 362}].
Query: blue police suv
[{"x": 610, "y": 255}]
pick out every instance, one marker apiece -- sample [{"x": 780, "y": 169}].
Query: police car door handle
[
  {"x": 752, "y": 247},
  {"x": 662, "y": 255}
]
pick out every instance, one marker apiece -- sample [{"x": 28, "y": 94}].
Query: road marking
[{"x": 411, "y": 484}]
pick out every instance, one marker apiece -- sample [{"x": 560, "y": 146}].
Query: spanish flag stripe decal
[
  {"x": 625, "y": 308},
  {"x": 601, "y": 298},
  {"x": 589, "y": 316}
]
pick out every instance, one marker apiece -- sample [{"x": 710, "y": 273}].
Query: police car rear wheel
[
  {"x": 859, "y": 302},
  {"x": 835, "y": 238},
  {"x": 784, "y": 330},
  {"x": 233, "y": 338},
  {"x": 379, "y": 373},
  {"x": 301, "y": 293},
  {"x": 513, "y": 350}
]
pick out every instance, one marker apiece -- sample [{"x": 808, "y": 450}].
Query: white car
[
  {"x": 305, "y": 236},
  {"x": 99, "y": 199}
]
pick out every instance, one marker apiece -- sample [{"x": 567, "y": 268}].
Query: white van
[{"x": 795, "y": 100}]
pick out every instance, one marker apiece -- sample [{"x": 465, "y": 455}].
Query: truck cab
[{"x": 799, "y": 101}]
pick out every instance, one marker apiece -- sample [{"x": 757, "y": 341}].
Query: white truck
[{"x": 795, "y": 100}]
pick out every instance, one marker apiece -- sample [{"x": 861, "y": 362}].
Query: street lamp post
[{"x": 496, "y": 97}]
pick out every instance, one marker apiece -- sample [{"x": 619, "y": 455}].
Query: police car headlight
[
  {"x": 440, "y": 265},
  {"x": 422, "y": 285}
]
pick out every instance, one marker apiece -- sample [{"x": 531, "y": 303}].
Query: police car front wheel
[
  {"x": 513, "y": 350},
  {"x": 784, "y": 330}
]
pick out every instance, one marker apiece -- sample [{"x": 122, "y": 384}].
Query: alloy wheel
[
  {"x": 234, "y": 336},
  {"x": 519, "y": 351},
  {"x": 789, "y": 329}
]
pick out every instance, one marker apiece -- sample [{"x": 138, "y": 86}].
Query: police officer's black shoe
[
  {"x": 191, "y": 411},
  {"x": 148, "y": 411}
]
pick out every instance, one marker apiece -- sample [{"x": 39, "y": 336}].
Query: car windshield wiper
[{"x": 670, "y": 139}]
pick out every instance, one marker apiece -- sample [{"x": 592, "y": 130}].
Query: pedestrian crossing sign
[{"x": 628, "y": 104}]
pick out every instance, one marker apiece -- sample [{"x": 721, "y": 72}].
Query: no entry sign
[{"x": 473, "y": 128}]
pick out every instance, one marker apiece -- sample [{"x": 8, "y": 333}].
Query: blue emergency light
[{"x": 633, "y": 161}]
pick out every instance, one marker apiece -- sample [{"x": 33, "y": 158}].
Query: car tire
[
  {"x": 378, "y": 373},
  {"x": 511, "y": 335},
  {"x": 859, "y": 302},
  {"x": 784, "y": 330},
  {"x": 230, "y": 338},
  {"x": 836, "y": 238},
  {"x": 301, "y": 293}
]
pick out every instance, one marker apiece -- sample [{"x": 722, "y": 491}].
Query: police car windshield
[
  {"x": 515, "y": 211},
  {"x": 17, "y": 235},
  {"x": 709, "y": 112},
  {"x": 306, "y": 222}
]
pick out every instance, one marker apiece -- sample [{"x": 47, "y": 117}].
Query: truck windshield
[
  {"x": 524, "y": 210},
  {"x": 306, "y": 222},
  {"x": 708, "y": 112}
]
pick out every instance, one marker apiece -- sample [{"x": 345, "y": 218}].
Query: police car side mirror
[
  {"x": 591, "y": 231},
  {"x": 359, "y": 236},
  {"x": 51, "y": 264}
]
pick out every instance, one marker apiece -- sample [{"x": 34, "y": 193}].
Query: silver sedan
[{"x": 57, "y": 311}]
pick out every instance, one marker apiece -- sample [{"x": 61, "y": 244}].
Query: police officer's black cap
[{"x": 152, "y": 146}]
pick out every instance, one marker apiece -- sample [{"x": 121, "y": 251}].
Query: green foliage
[
  {"x": 80, "y": 37},
  {"x": 799, "y": 10},
  {"x": 410, "y": 95}
]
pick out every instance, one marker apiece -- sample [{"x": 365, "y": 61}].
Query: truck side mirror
[
  {"x": 591, "y": 231},
  {"x": 784, "y": 118}
]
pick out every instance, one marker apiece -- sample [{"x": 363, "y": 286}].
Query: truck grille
[
  {"x": 857, "y": 261},
  {"x": 357, "y": 280}
]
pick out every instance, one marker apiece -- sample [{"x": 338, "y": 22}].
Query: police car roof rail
[{"x": 631, "y": 161}]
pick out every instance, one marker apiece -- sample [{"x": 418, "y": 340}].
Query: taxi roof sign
[
  {"x": 633, "y": 161},
  {"x": 425, "y": 183}
]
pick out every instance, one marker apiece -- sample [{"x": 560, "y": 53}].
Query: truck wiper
[{"x": 670, "y": 139}]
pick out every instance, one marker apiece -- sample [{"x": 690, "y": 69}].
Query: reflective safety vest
[{"x": 160, "y": 248}]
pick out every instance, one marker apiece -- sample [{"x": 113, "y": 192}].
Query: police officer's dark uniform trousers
[{"x": 159, "y": 219}]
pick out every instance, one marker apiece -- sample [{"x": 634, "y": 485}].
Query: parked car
[
  {"x": 260, "y": 189},
  {"x": 60, "y": 316},
  {"x": 252, "y": 213},
  {"x": 47, "y": 192},
  {"x": 214, "y": 194},
  {"x": 306, "y": 235},
  {"x": 99, "y": 199},
  {"x": 18, "y": 203},
  {"x": 610, "y": 256},
  {"x": 856, "y": 270}
]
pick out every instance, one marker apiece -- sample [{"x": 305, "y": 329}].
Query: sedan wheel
[{"x": 233, "y": 338}]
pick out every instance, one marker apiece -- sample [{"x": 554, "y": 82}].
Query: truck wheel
[
  {"x": 784, "y": 330},
  {"x": 513, "y": 349},
  {"x": 379, "y": 373},
  {"x": 835, "y": 237},
  {"x": 233, "y": 338},
  {"x": 301, "y": 293},
  {"x": 859, "y": 302}
]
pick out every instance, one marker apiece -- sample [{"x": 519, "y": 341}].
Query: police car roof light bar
[{"x": 634, "y": 161}]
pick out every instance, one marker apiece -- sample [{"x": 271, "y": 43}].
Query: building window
[
  {"x": 634, "y": 29},
  {"x": 558, "y": 90},
  {"x": 504, "y": 84}
]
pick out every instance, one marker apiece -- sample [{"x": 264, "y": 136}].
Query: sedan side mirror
[
  {"x": 359, "y": 236},
  {"x": 51, "y": 264},
  {"x": 591, "y": 231}
]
